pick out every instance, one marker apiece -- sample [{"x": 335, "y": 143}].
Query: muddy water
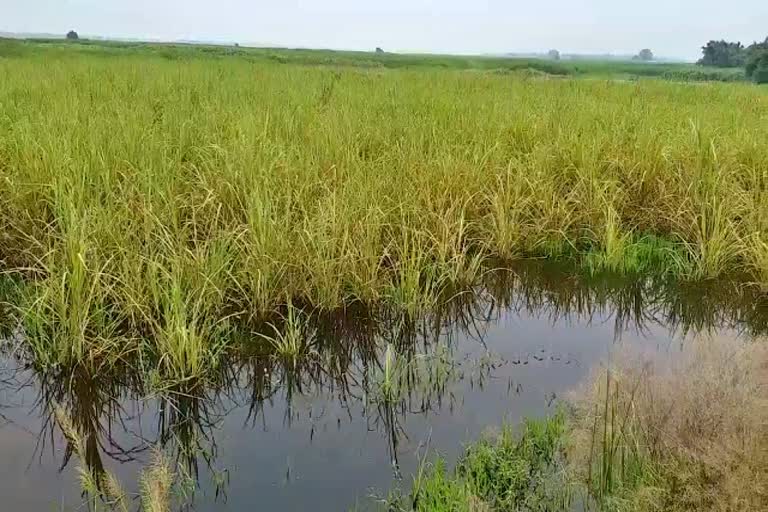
[{"x": 316, "y": 434}]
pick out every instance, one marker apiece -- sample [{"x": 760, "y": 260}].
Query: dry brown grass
[
  {"x": 689, "y": 433},
  {"x": 156, "y": 482}
]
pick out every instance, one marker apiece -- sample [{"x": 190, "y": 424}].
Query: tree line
[{"x": 727, "y": 54}]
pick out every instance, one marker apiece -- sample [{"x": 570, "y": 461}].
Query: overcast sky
[{"x": 672, "y": 28}]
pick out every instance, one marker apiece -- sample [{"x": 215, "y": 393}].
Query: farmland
[
  {"x": 159, "y": 203},
  {"x": 142, "y": 195}
]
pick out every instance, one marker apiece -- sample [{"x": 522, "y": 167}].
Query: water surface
[{"x": 315, "y": 433}]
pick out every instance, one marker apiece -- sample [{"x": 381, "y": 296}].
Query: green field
[
  {"x": 151, "y": 195},
  {"x": 174, "y": 51}
]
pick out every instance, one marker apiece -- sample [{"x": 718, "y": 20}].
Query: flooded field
[{"x": 361, "y": 398}]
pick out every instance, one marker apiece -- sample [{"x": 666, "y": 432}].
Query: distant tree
[
  {"x": 723, "y": 54},
  {"x": 237, "y": 45},
  {"x": 553, "y": 54},
  {"x": 72, "y": 35},
  {"x": 756, "y": 47},
  {"x": 645, "y": 54},
  {"x": 379, "y": 50},
  {"x": 757, "y": 66}
]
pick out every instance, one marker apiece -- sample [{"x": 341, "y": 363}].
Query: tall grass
[
  {"x": 148, "y": 201},
  {"x": 689, "y": 435}
]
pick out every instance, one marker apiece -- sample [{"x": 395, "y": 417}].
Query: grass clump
[
  {"x": 291, "y": 344},
  {"x": 516, "y": 471},
  {"x": 627, "y": 254}
]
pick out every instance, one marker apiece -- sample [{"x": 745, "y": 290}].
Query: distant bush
[
  {"x": 757, "y": 67},
  {"x": 11, "y": 48},
  {"x": 72, "y": 35},
  {"x": 704, "y": 75},
  {"x": 170, "y": 53},
  {"x": 527, "y": 72},
  {"x": 550, "y": 68},
  {"x": 761, "y": 75},
  {"x": 277, "y": 58}
]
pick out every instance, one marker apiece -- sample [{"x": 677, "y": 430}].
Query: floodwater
[{"x": 316, "y": 433}]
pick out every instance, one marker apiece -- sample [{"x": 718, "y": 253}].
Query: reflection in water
[{"x": 381, "y": 365}]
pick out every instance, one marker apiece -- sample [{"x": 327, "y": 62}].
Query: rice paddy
[
  {"x": 148, "y": 204},
  {"x": 177, "y": 224}
]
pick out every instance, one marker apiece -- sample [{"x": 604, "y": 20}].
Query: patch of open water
[{"x": 316, "y": 435}]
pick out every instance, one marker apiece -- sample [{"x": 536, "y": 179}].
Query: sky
[{"x": 671, "y": 28}]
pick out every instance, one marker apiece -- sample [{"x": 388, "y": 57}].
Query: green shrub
[
  {"x": 705, "y": 75},
  {"x": 522, "y": 472},
  {"x": 11, "y": 48},
  {"x": 757, "y": 67}
]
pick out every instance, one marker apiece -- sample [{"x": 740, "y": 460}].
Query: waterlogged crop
[{"x": 149, "y": 203}]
